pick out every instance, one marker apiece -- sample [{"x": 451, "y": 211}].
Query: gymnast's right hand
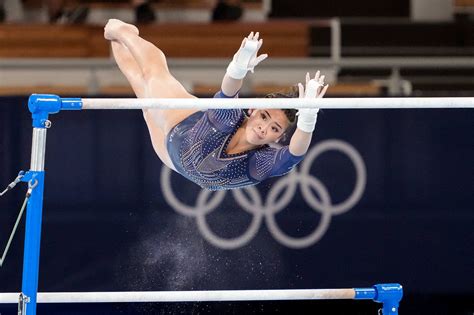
[{"x": 245, "y": 59}]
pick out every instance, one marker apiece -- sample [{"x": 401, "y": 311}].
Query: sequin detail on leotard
[{"x": 202, "y": 140}]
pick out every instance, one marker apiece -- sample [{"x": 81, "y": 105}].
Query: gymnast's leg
[
  {"x": 144, "y": 66},
  {"x": 129, "y": 68},
  {"x": 133, "y": 73}
]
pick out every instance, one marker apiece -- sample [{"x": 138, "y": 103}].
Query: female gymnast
[{"x": 216, "y": 149}]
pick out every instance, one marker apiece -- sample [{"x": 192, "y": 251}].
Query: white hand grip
[{"x": 246, "y": 53}]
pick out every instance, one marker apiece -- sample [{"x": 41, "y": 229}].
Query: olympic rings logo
[{"x": 278, "y": 198}]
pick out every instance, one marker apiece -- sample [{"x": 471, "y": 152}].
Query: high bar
[
  {"x": 261, "y": 103},
  {"x": 43, "y": 104}
]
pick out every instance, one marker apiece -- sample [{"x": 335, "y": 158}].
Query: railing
[{"x": 95, "y": 75}]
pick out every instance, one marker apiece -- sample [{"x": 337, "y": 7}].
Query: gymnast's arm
[
  {"x": 307, "y": 117},
  {"x": 245, "y": 59},
  {"x": 300, "y": 141}
]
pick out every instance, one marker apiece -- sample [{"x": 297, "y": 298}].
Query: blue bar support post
[
  {"x": 32, "y": 244},
  {"x": 40, "y": 106}
]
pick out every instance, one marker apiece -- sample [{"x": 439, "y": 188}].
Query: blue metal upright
[
  {"x": 32, "y": 245},
  {"x": 40, "y": 106}
]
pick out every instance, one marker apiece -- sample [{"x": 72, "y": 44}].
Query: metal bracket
[
  {"x": 23, "y": 300},
  {"x": 18, "y": 179},
  {"x": 389, "y": 294},
  {"x": 42, "y": 105},
  {"x": 28, "y": 176}
]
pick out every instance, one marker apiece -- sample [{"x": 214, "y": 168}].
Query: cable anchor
[
  {"x": 31, "y": 185},
  {"x": 13, "y": 184}
]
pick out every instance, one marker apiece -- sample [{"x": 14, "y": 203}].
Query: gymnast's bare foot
[{"x": 114, "y": 27}]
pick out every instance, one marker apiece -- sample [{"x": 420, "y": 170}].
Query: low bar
[
  {"x": 185, "y": 296},
  {"x": 388, "y": 294},
  {"x": 380, "y": 292}
]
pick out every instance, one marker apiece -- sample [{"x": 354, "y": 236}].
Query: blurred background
[{"x": 109, "y": 222}]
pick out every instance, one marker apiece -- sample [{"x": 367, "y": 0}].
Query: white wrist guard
[
  {"x": 307, "y": 119},
  {"x": 239, "y": 66},
  {"x": 307, "y": 116},
  {"x": 235, "y": 71}
]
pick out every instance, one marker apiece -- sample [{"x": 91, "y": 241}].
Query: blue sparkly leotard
[{"x": 197, "y": 147}]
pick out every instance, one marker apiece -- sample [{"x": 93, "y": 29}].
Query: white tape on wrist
[
  {"x": 236, "y": 72},
  {"x": 307, "y": 116},
  {"x": 307, "y": 119}
]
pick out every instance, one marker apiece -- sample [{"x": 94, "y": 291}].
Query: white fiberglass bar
[
  {"x": 259, "y": 103},
  {"x": 185, "y": 296}
]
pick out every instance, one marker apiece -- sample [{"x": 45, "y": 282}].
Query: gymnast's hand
[
  {"x": 245, "y": 59},
  {"x": 315, "y": 88}
]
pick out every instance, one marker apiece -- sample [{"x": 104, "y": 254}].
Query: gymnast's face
[{"x": 265, "y": 126}]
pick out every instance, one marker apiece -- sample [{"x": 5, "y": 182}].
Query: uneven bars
[{"x": 41, "y": 105}]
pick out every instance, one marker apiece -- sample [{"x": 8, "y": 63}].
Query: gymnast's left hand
[
  {"x": 314, "y": 88},
  {"x": 246, "y": 59}
]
